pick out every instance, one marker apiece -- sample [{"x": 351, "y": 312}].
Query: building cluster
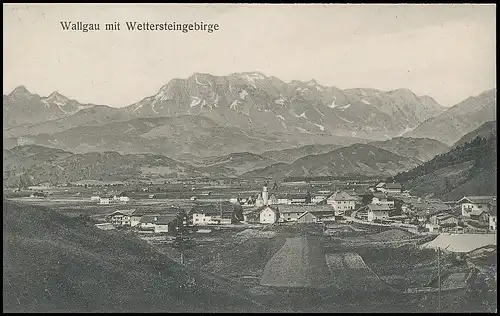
[
  {"x": 141, "y": 221},
  {"x": 110, "y": 199}
]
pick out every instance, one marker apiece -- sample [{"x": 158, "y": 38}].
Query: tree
[
  {"x": 182, "y": 242},
  {"x": 367, "y": 198}
]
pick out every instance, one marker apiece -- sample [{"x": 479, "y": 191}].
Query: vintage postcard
[{"x": 249, "y": 158}]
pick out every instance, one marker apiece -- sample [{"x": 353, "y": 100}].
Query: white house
[
  {"x": 95, "y": 198},
  {"x": 104, "y": 201},
  {"x": 268, "y": 215},
  {"x": 341, "y": 202},
  {"x": 319, "y": 198},
  {"x": 382, "y": 199},
  {"x": 124, "y": 199},
  {"x": 121, "y": 217},
  {"x": 470, "y": 204},
  {"x": 376, "y": 211}
]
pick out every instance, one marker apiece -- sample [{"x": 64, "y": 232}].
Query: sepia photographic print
[{"x": 212, "y": 158}]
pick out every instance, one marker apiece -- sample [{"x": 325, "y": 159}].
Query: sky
[{"x": 445, "y": 51}]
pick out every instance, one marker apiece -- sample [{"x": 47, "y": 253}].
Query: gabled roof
[
  {"x": 379, "y": 207},
  {"x": 148, "y": 218},
  {"x": 123, "y": 212},
  {"x": 165, "y": 219},
  {"x": 261, "y": 209},
  {"x": 284, "y": 209},
  {"x": 342, "y": 196},
  {"x": 479, "y": 199},
  {"x": 380, "y": 185},
  {"x": 393, "y": 186},
  {"x": 215, "y": 209},
  {"x": 477, "y": 212}
]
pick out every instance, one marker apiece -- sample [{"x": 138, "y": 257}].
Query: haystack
[{"x": 300, "y": 263}]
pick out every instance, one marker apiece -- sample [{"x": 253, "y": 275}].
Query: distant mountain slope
[
  {"x": 484, "y": 131},
  {"x": 291, "y": 154},
  {"x": 459, "y": 120},
  {"x": 357, "y": 159},
  {"x": 35, "y": 164},
  {"x": 235, "y": 164},
  {"x": 21, "y": 107},
  {"x": 175, "y": 136},
  {"x": 97, "y": 115},
  {"x": 53, "y": 263},
  {"x": 469, "y": 169},
  {"x": 423, "y": 149}
]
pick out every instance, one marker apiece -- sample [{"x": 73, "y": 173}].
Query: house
[
  {"x": 493, "y": 218},
  {"x": 268, "y": 214},
  {"x": 379, "y": 187},
  {"x": 444, "y": 219},
  {"x": 382, "y": 199},
  {"x": 104, "y": 201},
  {"x": 432, "y": 228},
  {"x": 124, "y": 199},
  {"x": 221, "y": 213},
  {"x": 121, "y": 217},
  {"x": 393, "y": 188},
  {"x": 151, "y": 196},
  {"x": 273, "y": 200},
  {"x": 480, "y": 215},
  {"x": 95, "y": 198},
  {"x": 165, "y": 223},
  {"x": 318, "y": 199},
  {"x": 468, "y": 204},
  {"x": 341, "y": 202},
  {"x": 234, "y": 200},
  {"x": 147, "y": 222},
  {"x": 376, "y": 211},
  {"x": 316, "y": 217},
  {"x": 292, "y": 212},
  {"x": 135, "y": 219},
  {"x": 158, "y": 223}
]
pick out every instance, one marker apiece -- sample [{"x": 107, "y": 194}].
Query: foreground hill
[
  {"x": 459, "y": 120},
  {"x": 423, "y": 149},
  {"x": 357, "y": 159},
  {"x": 469, "y": 169},
  {"x": 53, "y": 263}
]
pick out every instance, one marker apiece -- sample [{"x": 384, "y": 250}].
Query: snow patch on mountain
[
  {"x": 333, "y": 105},
  {"x": 194, "y": 101},
  {"x": 321, "y": 127},
  {"x": 243, "y": 94},
  {"x": 233, "y": 105},
  {"x": 201, "y": 84},
  {"x": 280, "y": 101},
  {"x": 365, "y": 102},
  {"x": 345, "y": 120},
  {"x": 343, "y": 107},
  {"x": 280, "y": 117}
]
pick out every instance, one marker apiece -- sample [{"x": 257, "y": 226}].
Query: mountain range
[
  {"x": 244, "y": 123},
  {"x": 250, "y": 101}
]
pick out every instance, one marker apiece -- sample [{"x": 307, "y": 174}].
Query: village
[{"x": 381, "y": 204}]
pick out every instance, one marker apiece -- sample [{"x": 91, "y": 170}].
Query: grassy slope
[{"x": 55, "y": 263}]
